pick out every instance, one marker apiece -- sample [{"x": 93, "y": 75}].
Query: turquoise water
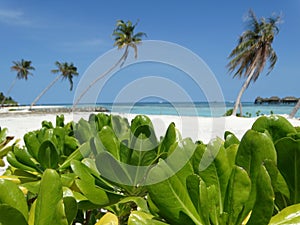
[{"x": 198, "y": 109}]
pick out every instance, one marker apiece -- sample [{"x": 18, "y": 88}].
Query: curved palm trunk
[
  {"x": 44, "y": 91},
  {"x": 295, "y": 110},
  {"x": 239, "y": 97},
  {"x": 9, "y": 90},
  {"x": 120, "y": 61}
]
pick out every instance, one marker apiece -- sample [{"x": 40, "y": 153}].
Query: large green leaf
[
  {"x": 288, "y": 151},
  {"x": 86, "y": 184},
  {"x": 215, "y": 169},
  {"x": 48, "y": 155},
  {"x": 11, "y": 195},
  {"x": 11, "y": 216},
  {"x": 170, "y": 195},
  {"x": 277, "y": 126},
  {"x": 264, "y": 202},
  {"x": 288, "y": 216},
  {"x": 70, "y": 206},
  {"x": 110, "y": 141},
  {"x": 49, "y": 204},
  {"x": 32, "y": 143},
  {"x": 254, "y": 149},
  {"x": 238, "y": 191}
]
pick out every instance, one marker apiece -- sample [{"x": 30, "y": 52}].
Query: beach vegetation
[
  {"x": 105, "y": 170},
  {"x": 125, "y": 38},
  {"x": 65, "y": 71},
  {"x": 7, "y": 100},
  {"x": 253, "y": 51},
  {"x": 23, "y": 69}
]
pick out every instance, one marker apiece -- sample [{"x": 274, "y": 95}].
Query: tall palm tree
[
  {"x": 22, "y": 68},
  {"x": 66, "y": 70},
  {"x": 124, "y": 38},
  {"x": 253, "y": 51},
  {"x": 295, "y": 109}
]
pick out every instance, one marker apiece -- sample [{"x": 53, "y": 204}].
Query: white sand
[{"x": 198, "y": 128}]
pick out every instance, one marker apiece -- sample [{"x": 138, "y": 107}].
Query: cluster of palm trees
[
  {"x": 24, "y": 68},
  {"x": 248, "y": 59}
]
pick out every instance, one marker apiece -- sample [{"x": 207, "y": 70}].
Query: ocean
[{"x": 204, "y": 109}]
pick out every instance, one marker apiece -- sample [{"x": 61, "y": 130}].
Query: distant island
[
  {"x": 8, "y": 100},
  {"x": 276, "y": 100}
]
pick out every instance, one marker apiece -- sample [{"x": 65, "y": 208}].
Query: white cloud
[{"x": 13, "y": 17}]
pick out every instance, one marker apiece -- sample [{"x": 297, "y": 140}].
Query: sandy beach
[{"x": 197, "y": 128}]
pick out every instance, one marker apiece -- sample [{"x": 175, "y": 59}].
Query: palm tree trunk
[
  {"x": 295, "y": 110},
  {"x": 44, "y": 91},
  {"x": 9, "y": 90},
  {"x": 238, "y": 99},
  {"x": 121, "y": 60}
]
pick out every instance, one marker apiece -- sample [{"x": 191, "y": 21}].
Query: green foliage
[
  {"x": 4, "y": 148},
  {"x": 74, "y": 173}
]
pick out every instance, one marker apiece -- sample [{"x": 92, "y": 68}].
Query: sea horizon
[{"x": 197, "y": 108}]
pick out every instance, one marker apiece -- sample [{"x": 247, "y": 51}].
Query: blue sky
[{"x": 80, "y": 32}]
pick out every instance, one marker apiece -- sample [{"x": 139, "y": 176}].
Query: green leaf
[
  {"x": 12, "y": 160},
  {"x": 81, "y": 152},
  {"x": 215, "y": 169},
  {"x": 170, "y": 139},
  {"x": 82, "y": 172},
  {"x": 110, "y": 141},
  {"x": 93, "y": 193},
  {"x": 142, "y": 218},
  {"x": 84, "y": 131},
  {"x": 254, "y": 149},
  {"x": 288, "y": 152},
  {"x": 264, "y": 203},
  {"x": 171, "y": 195},
  {"x": 198, "y": 193},
  {"x": 23, "y": 156},
  {"x": 11, "y": 216},
  {"x": 86, "y": 184},
  {"x": 49, "y": 207},
  {"x": 238, "y": 191},
  {"x": 277, "y": 126},
  {"x": 108, "y": 219},
  {"x": 32, "y": 144},
  {"x": 60, "y": 120},
  {"x": 288, "y": 216},
  {"x": 70, "y": 206},
  {"x": 48, "y": 155},
  {"x": 11, "y": 195},
  {"x": 230, "y": 139},
  {"x": 100, "y": 120}
]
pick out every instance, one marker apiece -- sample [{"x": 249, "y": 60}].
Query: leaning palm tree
[
  {"x": 67, "y": 71},
  {"x": 295, "y": 109},
  {"x": 22, "y": 68},
  {"x": 124, "y": 38},
  {"x": 253, "y": 51}
]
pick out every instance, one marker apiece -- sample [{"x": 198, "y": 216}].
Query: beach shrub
[
  {"x": 4, "y": 148},
  {"x": 106, "y": 169}
]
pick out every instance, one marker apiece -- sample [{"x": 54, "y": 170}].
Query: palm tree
[
  {"x": 67, "y": 71},
  {"x": 253, "y": 51},
  {"x": 295, "y": 109},
  {"x": 22, "y": 68},
  {"x": 124, "y": 38}
]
